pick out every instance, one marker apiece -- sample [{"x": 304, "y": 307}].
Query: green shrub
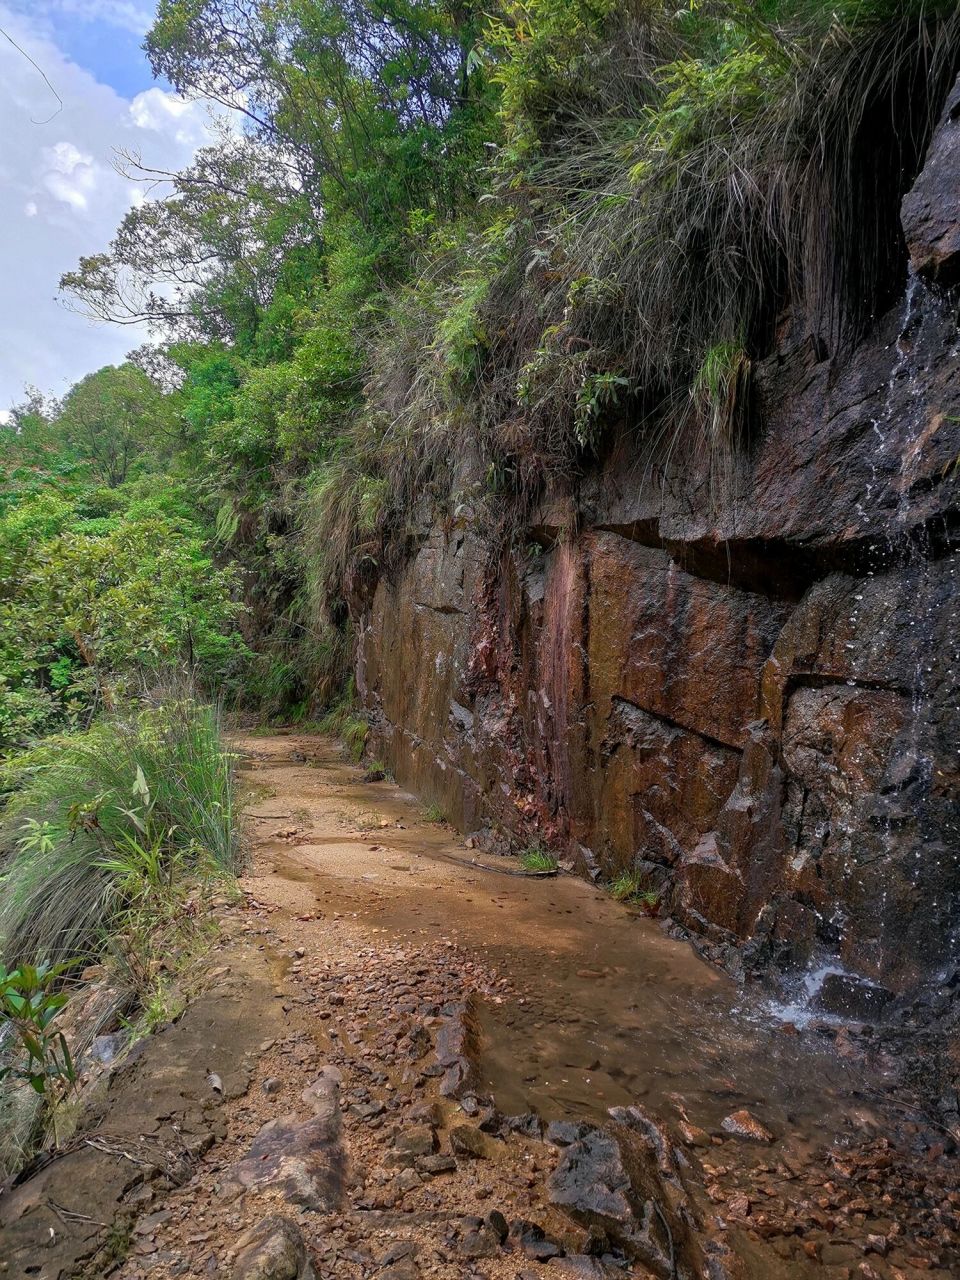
[
  {"x": 155, "y": 780},
  {"x": 29, "y": 1005}
]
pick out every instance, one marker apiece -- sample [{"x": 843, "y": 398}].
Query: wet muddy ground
[
  {"x": 366, "y": 937},
  {"x": 613, "y": 1010}
]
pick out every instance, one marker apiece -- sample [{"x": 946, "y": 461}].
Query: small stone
[
  {"x": 141, "y": 1195},
  {"x": 418, "y": 1140},
  {"x": 403, "y": 1270},
  {"x": 368, "y": 1110},
  {"x": 432, "y": 1165},
  {"x": 481, "y": 1242},
  {"x": 738, "y": 1206},
  {"x": 563, "y": 1133},
  {"x": 466, "y": 1141},
  {"x": 692, "y": 1135},
  {"x": 271, "y": 1086},
  {"x": 498, "y": 1224},
  {"x": 400, "y": 1249},
  {"x": 742, "y": 1124},
  {"x": 151, "y": 1222},
  {"x": 530, "y": 1124},
  {"x": 407, "y": 1180},
  {"x": 534, "y": 1242},
  {"x": 580, "y": 1266},
  {"x": 426, "y": 1113}
]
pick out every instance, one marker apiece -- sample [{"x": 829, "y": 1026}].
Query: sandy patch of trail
[{"x": 328, "y": 907}]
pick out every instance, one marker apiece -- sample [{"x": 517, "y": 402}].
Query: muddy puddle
[{"x": 614, "y": 1011}]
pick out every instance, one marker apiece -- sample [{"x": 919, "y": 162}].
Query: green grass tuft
[
  {"x": 153, "y": 785},
  {"x": 537, "y": 858},
  {"x": 629, "y": 887},
  {"x": 346, "y": 721}
]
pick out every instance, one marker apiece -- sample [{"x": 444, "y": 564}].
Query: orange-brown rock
[{"x": 746, "y": 689}]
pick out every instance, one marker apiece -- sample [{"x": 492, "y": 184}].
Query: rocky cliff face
[{"x": 745, "y": 689}]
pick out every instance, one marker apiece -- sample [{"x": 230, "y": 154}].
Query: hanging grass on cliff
[
  {"x": 671, "y": 186},
  {"x": 670, "y": 189}
]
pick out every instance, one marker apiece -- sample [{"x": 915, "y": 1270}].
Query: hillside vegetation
[
  {"x": 438, "y": 259},
  {"x": 455, "y": 247}
]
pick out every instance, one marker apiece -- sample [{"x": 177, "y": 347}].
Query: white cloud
[
  {"x": 61, "y": 197},
  {"x": 167, "y": 113},
  {"x": 128, "y": 15},
  {"x": 68, "y": 174}
]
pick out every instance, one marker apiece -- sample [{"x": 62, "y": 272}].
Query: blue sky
[
  {"x": 60, "y": 195},
  {"x": 102, "y": 36}
]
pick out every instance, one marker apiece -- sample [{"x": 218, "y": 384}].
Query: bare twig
[{"x": 7, "y": 36}]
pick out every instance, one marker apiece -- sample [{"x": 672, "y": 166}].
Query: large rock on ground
[
  {"x": 273, "y": 1250},
  {"x": 302, "y": 1159},
  {"x": 625, "y": 1184}
]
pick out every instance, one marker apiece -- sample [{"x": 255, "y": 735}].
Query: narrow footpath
[{"x": 412, "y": 1060}]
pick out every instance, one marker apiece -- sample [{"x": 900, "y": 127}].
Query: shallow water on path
[{"x": 614, "y": 1011}]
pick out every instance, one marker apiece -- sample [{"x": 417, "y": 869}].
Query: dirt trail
[{"x": 374, "y": 957}]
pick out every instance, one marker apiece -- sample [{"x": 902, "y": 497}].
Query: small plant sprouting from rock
[
  {"x": 433, "y": 813},
  {"x": 537, "y": 858},
  {"x": 377, "y": 771},
  {"x": 628, "y": 887},
  {"x": 119, "y": 1238}
]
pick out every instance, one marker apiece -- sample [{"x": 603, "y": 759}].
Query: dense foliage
[
  {"x": 449, "y": 257},
  {"x": 106, "y": 572},
  {"x": 454, "y": 251}
]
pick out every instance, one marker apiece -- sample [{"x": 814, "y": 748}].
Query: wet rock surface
[
  {"x": 931, "y": 210},
  {"x": 743, "y": 1124},
  {"x": 853, "y": 999},
  {"x": 743, "y": 692}
]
